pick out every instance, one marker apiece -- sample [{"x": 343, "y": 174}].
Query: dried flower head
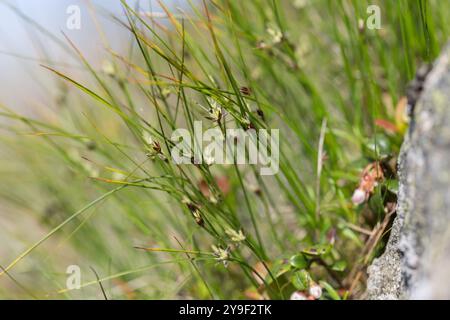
[
  {"x": 154, "y": 148},
  {"x": 260, "y": 113},
  {"x": 247, "y": 124},
  {"x": 245, "y": 91},
  {"x": 215, "y": 112},
  {"x": 198, "y": 217},
  {"x": 191, "y": 205}
]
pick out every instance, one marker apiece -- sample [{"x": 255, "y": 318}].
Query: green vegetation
[{"x": 95, "y": 174}]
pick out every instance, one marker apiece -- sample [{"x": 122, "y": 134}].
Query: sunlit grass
[{"x": 91, "y": 176}]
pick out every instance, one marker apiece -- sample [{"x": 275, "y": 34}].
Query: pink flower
[
  {"x": 359, "y": 196},
  {"x": 297, "y": 295},
  {"x": 315, "y": 291}
]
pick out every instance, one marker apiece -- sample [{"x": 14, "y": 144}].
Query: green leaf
[
  {"x": 279, "y": 268},
  {"x": 330, "y": 290},
  {"x": 392, "y": 185},
  {"x": 339, "y": 266},
  {"x": 301, "y": 280},
  {"x": 378, "y": 146},
  {"x": 376, "y": 203},
  {"x": 298, "y": 261},
  {"x": 317, "y": 250}
]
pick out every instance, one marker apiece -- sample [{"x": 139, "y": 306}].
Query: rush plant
[{"x": 96, "y": 178}]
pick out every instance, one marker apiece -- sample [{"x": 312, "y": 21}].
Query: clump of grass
[{"x": 154, "y": 229}]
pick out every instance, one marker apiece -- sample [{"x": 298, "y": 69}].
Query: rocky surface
[{"x": 416, "y": 262}]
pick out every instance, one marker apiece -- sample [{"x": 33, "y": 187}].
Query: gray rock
[{"x": 416, "y": 262}]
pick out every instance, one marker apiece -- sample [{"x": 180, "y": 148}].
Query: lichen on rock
[{"x": 416, "y": 261}]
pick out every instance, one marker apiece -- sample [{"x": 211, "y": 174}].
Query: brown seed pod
[
  {"x": 198, "y": 218},
  {"x": 245, "y": 91}
]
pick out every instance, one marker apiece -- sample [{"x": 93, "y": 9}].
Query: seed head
[
  {"x": 221, "y": 255},
  {"x": 235, "y": 236}
]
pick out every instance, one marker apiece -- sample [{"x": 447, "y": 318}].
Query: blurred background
[
  {"x": 23, "y": 46},
  {"x": 31, "y": 36}
]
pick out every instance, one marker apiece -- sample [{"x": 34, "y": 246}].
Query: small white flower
[
  {"x": 235, "y": 236},
  {"x": 221, "y": 254},
  {"x": 276, "y": 35},
  {"x": 315, "y": 291},
  {"x": 215, "y": 112},
  {"x": 297, "y": 295},
  {"x": 359, "y": 196}
]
